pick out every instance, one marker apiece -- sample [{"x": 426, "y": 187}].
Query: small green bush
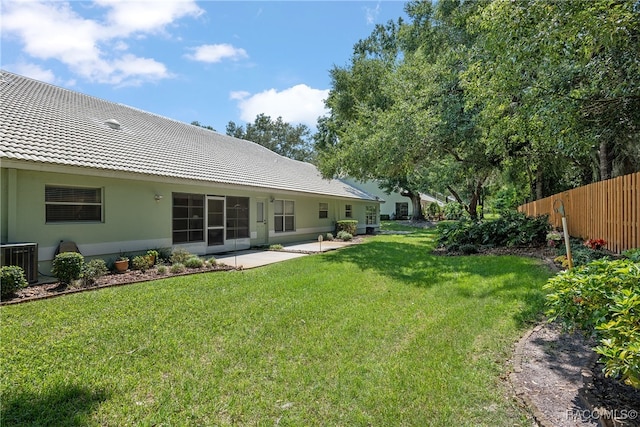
[
  {"x": 162, "y": 269},
  {"x": 179, "y": 256},
  {"x": 93, "y": 270},
  {"x": 142, "y": 262},
  {"x": 67, "y": 267},
  {"x": 344, "y": 235},
  {"x": 602, "y": 298},
  {"x": 275, "y": 247},
  {"x": 329, "y": 237},
  {"x": 194, "y": 262},
  {"x": 11, "y": 279},
  {"x": 433, "y": 210},
  {"x": 177, "y": 268},
  {"x": 212, "y": 261},
  {"x": 632, "y": 254},
  {"x": 453, "y": 210},
  {"x": 348, "y": 225}
]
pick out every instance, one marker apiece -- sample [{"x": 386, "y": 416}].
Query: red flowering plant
[{"x": 595, "y": 244}]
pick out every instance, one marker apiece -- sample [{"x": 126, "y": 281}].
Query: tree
[
  {"x": 558, "y": 86},
  {"x": 399, "y": 107},
  {"x": 197, "y": 123},
  {"x": 283, "y": 138}
]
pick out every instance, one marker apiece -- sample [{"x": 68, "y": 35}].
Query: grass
[{"x": 381, "y": 333}]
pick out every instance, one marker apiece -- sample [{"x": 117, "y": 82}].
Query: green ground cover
[{"x": 380, "y": 333}]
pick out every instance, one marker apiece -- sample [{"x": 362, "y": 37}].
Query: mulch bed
[{"x": 49, "y": 290}]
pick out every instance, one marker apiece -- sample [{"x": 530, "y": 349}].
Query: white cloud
[
  {"x": 239, "y": 95},
  {"x": 33, "y": 71},
  {"x": 147, "y": 16},
  {"x": 372, "y": 14},
  {"x": 212, "y": 53},
  {"x": 52, "y": 30},
  {"x": 298, "y": 104}
]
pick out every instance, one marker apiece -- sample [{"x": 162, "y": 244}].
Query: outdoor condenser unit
[{"x": 23, "y": 255}]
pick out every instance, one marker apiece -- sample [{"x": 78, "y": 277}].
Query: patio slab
[{"x": 256, "y": 258}]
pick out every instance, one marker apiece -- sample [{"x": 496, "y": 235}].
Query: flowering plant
[
  {"x": 595, "y": 243},
  {"x": 553, "y": 238}
]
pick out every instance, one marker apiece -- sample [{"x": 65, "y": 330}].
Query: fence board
[{"x": 608, "y": 210}]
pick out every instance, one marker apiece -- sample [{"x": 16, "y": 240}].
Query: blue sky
[{"x": 210, "y": 61}]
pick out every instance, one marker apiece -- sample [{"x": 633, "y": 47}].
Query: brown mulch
[{"x": 53, "y": 289}]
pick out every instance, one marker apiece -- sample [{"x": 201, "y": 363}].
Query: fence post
[{"x": 565, "y": 231}]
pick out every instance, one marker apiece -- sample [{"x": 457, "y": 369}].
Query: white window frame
[
  {"x": 348, "y": 211},
  {"x": 323, "y": 210},
  {"x": 281, "y": 214},
  {"x": 70, "y": 202},
  {"x": 371, "y": 214}
]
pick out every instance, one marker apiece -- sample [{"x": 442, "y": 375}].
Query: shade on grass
[{"x": 381, "y": 333}]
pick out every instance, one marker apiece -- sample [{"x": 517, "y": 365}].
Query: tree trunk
[
  {"x": 606, "y": 163},
  {"x": 539, "y": 186},
  {"x": 417, "y": 214},
  {"x": 417, "y": 208}
]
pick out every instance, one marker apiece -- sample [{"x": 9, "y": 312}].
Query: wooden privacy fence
[{"x": 608, "y": 210}]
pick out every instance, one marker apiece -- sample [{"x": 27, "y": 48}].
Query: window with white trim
[
  {"x": 284, "y": 215},
  {"x": 371, "y": 215},
  {"x": 73, "y": 204},
  {"x": 348, "y": 211},
  {"x": 188, "y": 218},
  {"x": 323, "y": 210}
]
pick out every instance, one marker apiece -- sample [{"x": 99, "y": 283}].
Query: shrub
[
  {"x": 602, "y": 298},
  {"x": 348, "y": 225},
  {"x": 582, "y": 254},
  {"x": 275, "y": 247},
  {"x": 142, "y": 263},
  {"x": 632, "y": 254},
  {"x": 453, "y": 210},
  {"x": 162, "y": 269},
  {"x": 93, "y": 270},
  {"x": 177, "y": 268},
  {"x": 164, "y": 255},
  {"x": 595, "y": 244},
  {"x": 179, "y": 256},
  {"x": 67, "y": 267},
  {"x": 433, "y": 210},
  {"x": 329, "y": 237},
  {"x": 11, "y": 279},
  {"x": 344, "y": 235},
  {"x": 511, "y": 229},
  {"x": 194, "y": 262},
  {"x": 212, "y": 261}
]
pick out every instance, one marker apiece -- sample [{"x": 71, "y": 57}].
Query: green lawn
[{"x": 381, "y": 333}]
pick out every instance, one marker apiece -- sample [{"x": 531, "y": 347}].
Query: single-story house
[
  {"x": 394, "y": 205},
  {"x": 115, "y": 179}
]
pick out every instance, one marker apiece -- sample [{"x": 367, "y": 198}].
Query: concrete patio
[{"x": 252, "y": 258}]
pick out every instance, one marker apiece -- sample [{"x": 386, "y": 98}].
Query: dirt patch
[{"x": 556, "y": 375}]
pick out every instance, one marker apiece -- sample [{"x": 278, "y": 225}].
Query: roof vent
[{"x": 113, "y": 124}]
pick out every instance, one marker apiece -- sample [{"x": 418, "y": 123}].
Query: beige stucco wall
[
  {"x": 134, "y": 221},
  {"x": 390, "y": 200}
]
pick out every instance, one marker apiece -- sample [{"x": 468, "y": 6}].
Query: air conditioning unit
[{"x": 23, "y": 255}]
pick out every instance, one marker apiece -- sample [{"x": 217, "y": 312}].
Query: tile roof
[{"x": 43, "y": 123}]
